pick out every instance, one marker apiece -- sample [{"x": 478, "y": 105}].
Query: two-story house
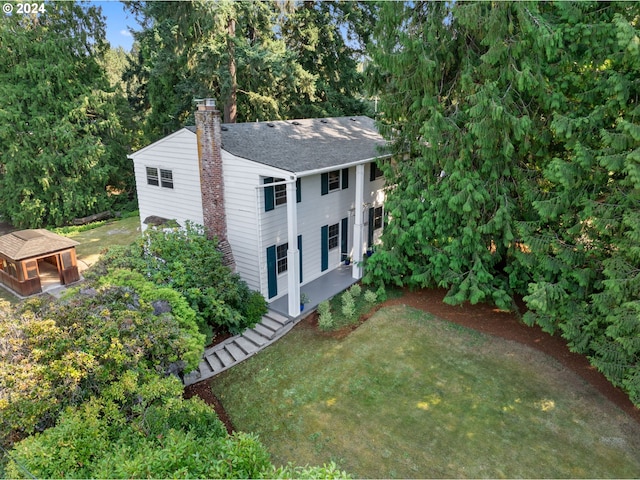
[{"x": 289, "y": 201}]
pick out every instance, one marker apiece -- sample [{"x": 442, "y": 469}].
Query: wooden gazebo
[{"x": 28, "y": 258}]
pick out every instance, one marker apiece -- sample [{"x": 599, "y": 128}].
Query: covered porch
[{"x": 320, "y": 289}]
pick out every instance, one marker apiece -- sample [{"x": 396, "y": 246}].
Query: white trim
[
  {"x": 293, "y": 255},
  {"x": 358, "y": 226},
  {"x": 307, "y": 173},
  {"x": 132, "y": 156}
]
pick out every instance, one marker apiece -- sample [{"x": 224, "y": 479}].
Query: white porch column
[
  {"x": 293, "y": 255},
  {"x": 358, "y": 226}
]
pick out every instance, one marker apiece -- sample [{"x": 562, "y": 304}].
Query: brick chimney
[{"x": 209, "y": 138}]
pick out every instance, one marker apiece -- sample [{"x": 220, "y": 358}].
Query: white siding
[
  {"x": 179, "y": 153},
  {"x": 241, "y": 177},
  {"x": 314, "y": 211},
  {"x": 250, "y": 229}
]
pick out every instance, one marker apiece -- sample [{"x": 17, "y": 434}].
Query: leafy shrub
[
  {"x": 60, "y": 353},
  {"x": 348, "y": 305},
  {"x": 330, "y": 471},
  {"x": 370, "y": 296},
  {"x": 325, "y": 319},
  {"x": 185, "y": 260},
  {"x": 381, "y": 293},
  {"x": 355, "y": 290},
  {"x": 165, "y": 436},
  {"x": 324, "y": 307}
]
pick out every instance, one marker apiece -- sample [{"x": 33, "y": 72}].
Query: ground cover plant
[
  {"x": 346, "y": 309},
  {"x": 407, "y": 395}
]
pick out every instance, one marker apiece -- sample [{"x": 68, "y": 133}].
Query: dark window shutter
[
  {"x": 300, "y": 254},
  {"x": 371, "y": 220},
  {"x": 324, "y": 183},
  {"x": 272, "y": 275},
  {"x": 344, "y": 238},
  {"x": 324, "y": 243},
  {"x": 372, "y": 171},
  {"x": 269, "y": 195},
  {"x": 298, "y": 190},
  {"x": 345, "y": 178}
]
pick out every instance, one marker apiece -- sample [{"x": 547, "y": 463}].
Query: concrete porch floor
[{"x": 319, "y": 289}]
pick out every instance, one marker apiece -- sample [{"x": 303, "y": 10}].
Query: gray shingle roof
[
  {"x": 33, "y": 243},
  {"x": 302, "y": 145}
]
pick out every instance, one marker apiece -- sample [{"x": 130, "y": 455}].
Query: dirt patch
[
  {"x": 203, "y": 391},
  {"x": 483, "y": 318}
]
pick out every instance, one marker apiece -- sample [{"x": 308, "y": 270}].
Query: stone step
[
  {"x": 265, "y": 331},
  {"x": 235, "y": 351},
  {"x": 281, "y": 319},
  {"x": 205, "y": 367},
  {"x": 271, "y": 324},
  {"x": 214, "y": 363},
  {"x": 225, "y": 357},
  {"x": 255, "y": 337},
  {"x": 246, "y": 345}
]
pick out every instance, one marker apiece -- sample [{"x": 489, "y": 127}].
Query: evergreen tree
[
  {"x": 260, "y": 59},
  {"x": 458, "y": 84},
  {"x": 185, "y": 51},
  {"x": 585, "y": 257},
  {"x": 515, "y": 128},
  {"x": 60, "y": 138},
  {"x": 313, "y": 32}
]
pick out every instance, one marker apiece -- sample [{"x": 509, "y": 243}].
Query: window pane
[
  {"x": 32, "y": 269},
  {"x": 281, "y": 194},
  {"x": 377, "y": 171},
  {"x": 281, "y": 257},
  {"x": 377, "y": 218},
  {"x": 152, "y": 176},
  {"x": 334, "y": 231},
  {"x": 166, "y": 177},
  {"x": 334, "y": 180}
]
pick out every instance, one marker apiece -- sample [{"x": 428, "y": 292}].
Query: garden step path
[{"x": 234, "y": 350}]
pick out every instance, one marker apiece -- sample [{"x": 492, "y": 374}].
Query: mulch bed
[{"x": 483, "y": 318}]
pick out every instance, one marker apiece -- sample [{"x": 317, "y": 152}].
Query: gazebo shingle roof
[{"x": 33, "y": 243}]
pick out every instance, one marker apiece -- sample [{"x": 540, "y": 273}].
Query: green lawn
[
  {"x": 407, "y": 395},
  {"x": 114, "y": 232}
]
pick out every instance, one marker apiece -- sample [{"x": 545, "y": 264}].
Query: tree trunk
[{"x": 230, "y": 111}]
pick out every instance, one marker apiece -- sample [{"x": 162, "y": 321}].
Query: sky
[{"x": 118, "y": 23}]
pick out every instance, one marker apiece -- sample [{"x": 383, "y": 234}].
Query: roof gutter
[{"x": 316, "y": 171}]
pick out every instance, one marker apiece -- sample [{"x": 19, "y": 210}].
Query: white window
[
  {"x": 377, "y": 218},
  {"x": 334, "y": 180},
  {"x": 152, "y": 176},
  {"x": 166, "y": 178},
  {"x": 281, "y": 257},
  {"x": 334, "y": 233},
  {"x": 280, "y": 193}
]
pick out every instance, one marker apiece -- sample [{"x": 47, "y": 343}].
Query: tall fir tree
[
  {"x": 584, "y": 243},
  {"x": 515, "y": 128},
  {"x": 224, "y": 49},
  {"x": 261, "y": 60},
  {"x": 314, "y": 31},
  {"x": 457, "y": 85},
  {"x": 60, "y": 138}
]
